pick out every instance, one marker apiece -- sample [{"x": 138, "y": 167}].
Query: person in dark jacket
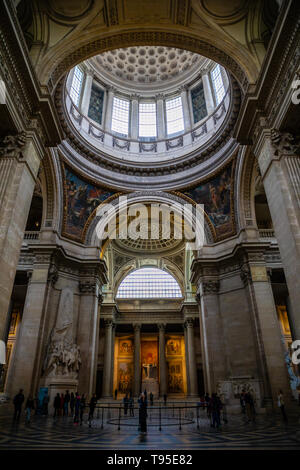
[
  {"x": 18, "y": 401},
  {"x": 143, "y": 414},
  {"x": 66, "y": 403},
  {"x": 29, "y": 406},
  {"x": 77, "y": 408},
  {"x": 93, "y": 403},
  {"x": 82, "y": 407},
  {"x": 45, "y": 404},
  {"x": 125, "y": 402},
  {"x": 216, "y": 407},
  {"x": 72, "y": 403},
  {"x": 56, "y": 405}
]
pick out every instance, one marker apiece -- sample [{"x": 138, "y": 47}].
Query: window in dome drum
[
  {"x": 96, "y": 104},
  {"x": 198, "y": 103}
]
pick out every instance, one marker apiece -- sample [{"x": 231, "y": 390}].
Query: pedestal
[
  {"x": 59, "y": 385},
  {"x": 151, "y": 385}
]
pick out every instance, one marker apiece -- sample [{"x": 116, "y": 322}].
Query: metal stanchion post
[
  {"x": 159, "y": 416},
  {"x": 197, "y": 417},
  {"x": 119, "y": 425}
]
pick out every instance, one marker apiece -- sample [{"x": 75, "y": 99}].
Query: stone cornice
[
  {"x": 221, "y": 142},
  {"x": 33, "y": 104},
  {"x": 263, "y": 99}
]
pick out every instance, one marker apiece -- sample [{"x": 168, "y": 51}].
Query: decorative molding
[
  {"x": 12, "y": 145},
  {"x": 285, "y": 143},
  {"x": 210, "y": 286}
]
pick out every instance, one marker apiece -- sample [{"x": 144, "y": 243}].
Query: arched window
[{"x": 149, "y": 283}]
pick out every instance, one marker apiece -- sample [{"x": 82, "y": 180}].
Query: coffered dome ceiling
[{"x": 148, "y": 64}]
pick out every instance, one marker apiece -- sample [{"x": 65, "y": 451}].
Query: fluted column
[
  {"x": 279, "y": 162},
  {"x": 26, "y": 366},
  {"x": 210, "y": 105},
  {"x": 266, "y": 326},
  {"x": 134, "y": 123},
  {"x": 211, "y": 333},
  {"x": 106, "y": 388},
  {"x": 185, "y": 108},
  {"x": 160, "y": 114},
  {"x": 137, "y": 359},
  {"x": 19, "y": 164},
  {"x": 108, "y": 111},
  {"x": 162, "y": 361},
  {"x": 187, "y": 360},
  {"x": 189, "y": 324},
  {"x": 86, "y": 96}
]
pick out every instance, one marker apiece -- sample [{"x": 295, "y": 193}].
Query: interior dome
[{"x": 144, "y": 65}]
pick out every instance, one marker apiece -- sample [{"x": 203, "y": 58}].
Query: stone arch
[
  {"x": 245, "y": 189},
  {"x": 238, "y": 62},
  {"x": 146, "y": 197},
  {"x": 50, "y": 181}
]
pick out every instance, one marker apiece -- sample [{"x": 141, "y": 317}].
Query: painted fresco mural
[
  {"x": 175, "y": 377},
  {"x": 125, "y": 377},
  {"x": 216, "y": 194},
  {"x": 149, "y": 357},
  {"x": 81, "y": 199}
]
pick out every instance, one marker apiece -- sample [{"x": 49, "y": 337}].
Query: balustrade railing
[{"x": 197, "y": 135}]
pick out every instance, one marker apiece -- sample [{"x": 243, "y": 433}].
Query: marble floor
[{"x": 46, "y": 433}]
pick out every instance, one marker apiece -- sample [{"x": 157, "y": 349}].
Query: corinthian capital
[
  {"x": 12, "y": 145},
  {"x": 210, "y": 286},
  {"x": 285, "y": 143}
]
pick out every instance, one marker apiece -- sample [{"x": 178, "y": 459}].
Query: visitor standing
[
  {"x": 143, "y": 414},
  {"x": 281, "y": 405},
  {"x": 131, "y": 406},
  {"x": 72, "y": 403},
  {"x": 66, "y": 403},
  {"x": 45, "y": 405},
  {"x": 93, "y": 403},
  {"x": 216, "y": 407},
  {"x": 18, "y": 401},
  {"x": 61, "y": 407},
  {"x": 242, "y": 402},
  {"x": 116, "y": 394},
  {"x": 29, "y": 406},
  {"x": 165, "y": 399},
  {"x": 56, "y": 405},
  {"x": 249, "y": 404},
  {"x": 82, "y": 407},
  {"x": 151, "y": 398},
  {"x": 77, "y": 408},
  {"x": 125, "y": 403}
]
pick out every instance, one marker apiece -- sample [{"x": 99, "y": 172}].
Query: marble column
[
  {"x": 137, "y": 360},
  {"x": 107, "y": 369},
  {"x": 108, "y": 110},
  {"x": 185, "y": 108},
  {"x": 134, "y": 117},
  {"x": 26, "y": 367},
  {"x": 19, "y": 164},
  {"x": 86, "y": 95},
  {"x": 279, "y": 163},
  {"x": 88, "y": 333},
  {"x": 210, "y": 105},
  {"x": 211, "y": 333},
  {"x": 187, "y": 360},
  {"x": 160, "y": 117},
  {"x": 162, "y": 361},
  {"x": 267, "y": 328},
  {"x": 193, "y": 392}
]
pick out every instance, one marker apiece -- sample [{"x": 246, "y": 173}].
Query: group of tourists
[
  {"x": 68, "y": 404},
  {"x": 215, "y": 409}
]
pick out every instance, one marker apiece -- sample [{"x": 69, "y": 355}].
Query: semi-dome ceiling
[{"x": 148, "y": 64}]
